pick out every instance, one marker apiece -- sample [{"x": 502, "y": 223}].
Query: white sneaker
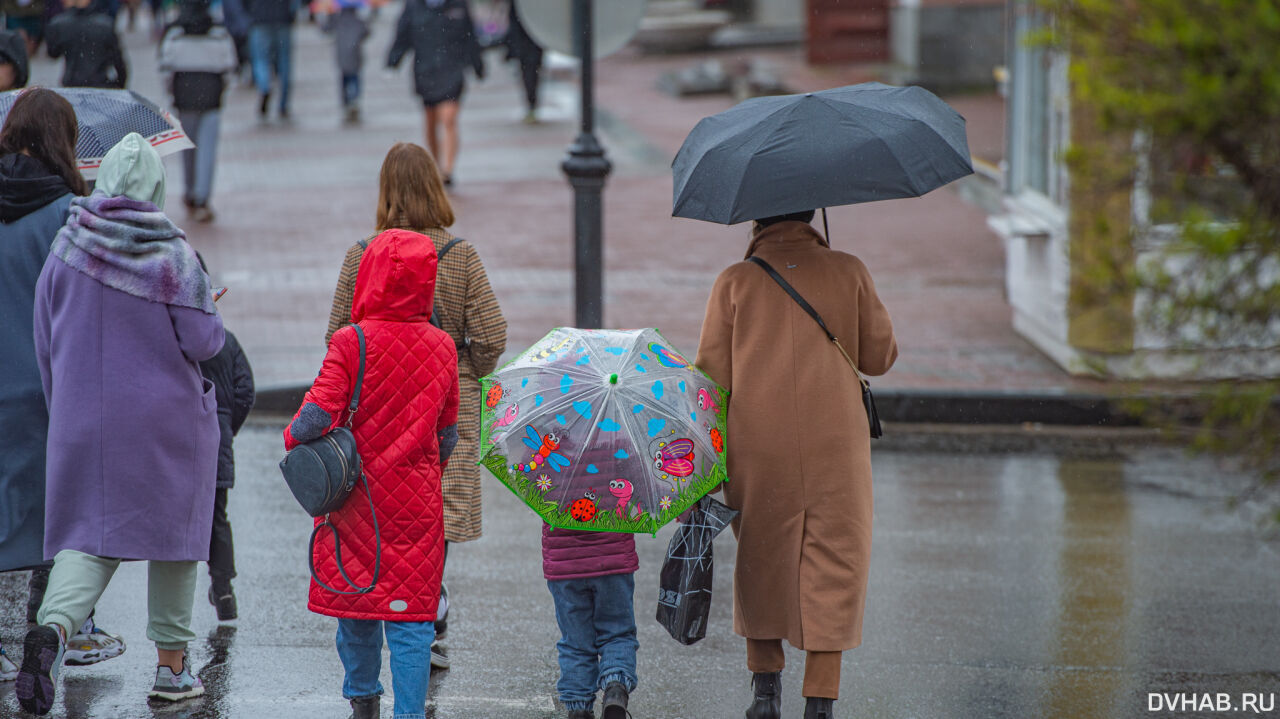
[
  {"x": 8, "y": 670},
  {"x": 176, "y": 687},
  {"x": 92, "y": 645}
]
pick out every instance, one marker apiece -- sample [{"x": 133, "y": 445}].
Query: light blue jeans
[
  {"x": 197, "y": 164},
  {"x": 597, "y": 636},
  {"x": 360, "y": 648},
  {"x": 271, "y": 47}
]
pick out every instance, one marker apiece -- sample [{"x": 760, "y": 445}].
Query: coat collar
[{"x": 788, "y": 233}]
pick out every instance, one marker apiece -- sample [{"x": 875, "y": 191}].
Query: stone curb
[{"x": 941, "y": 406}]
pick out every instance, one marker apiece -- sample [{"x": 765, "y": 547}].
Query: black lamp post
[{"x": 587, "y": 168}]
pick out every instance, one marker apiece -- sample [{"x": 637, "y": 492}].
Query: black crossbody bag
[
  {"x": 873, "y": 419},
  {"x": 321, "y": 474}
]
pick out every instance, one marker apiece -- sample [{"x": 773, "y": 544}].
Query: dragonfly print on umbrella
[
  {"x": 618, "y": 420},
  {"x": 544, "y": 452}
]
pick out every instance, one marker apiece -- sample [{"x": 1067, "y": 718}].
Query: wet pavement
[{"x": 1002, "y": 585}]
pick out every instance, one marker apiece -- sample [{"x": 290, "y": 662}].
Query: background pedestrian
[
  {"x": 38, "y": 179},
  {"x": 523, "y": 49},
  {"x": 271, "y": 49},
  {"x": 346, "y": 20},
  {"x": 804, "y": 533},
  {"x": 123, "y": 313},
  {"x": 88, "y": 40},
  {"x": 199, "y": 55},
  {"x": 26, "y": 17},
  {"x": 442, "y": 37},
  {"x": 412, "y": 197},
  {"x": 14, "y": 66},
  {"x": 406, "y": 430}
]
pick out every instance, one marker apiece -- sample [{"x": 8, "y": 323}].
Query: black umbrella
[{"x": 775, "y": 155}]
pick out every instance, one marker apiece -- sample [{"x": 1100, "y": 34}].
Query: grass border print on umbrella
[{"x": 604, "y": 430}]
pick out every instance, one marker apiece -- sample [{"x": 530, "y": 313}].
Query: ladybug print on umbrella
[
  {"x": 584, "y": 510},
  {"x": 494, "y": 395},
  {"x": 544, "y": 452}
]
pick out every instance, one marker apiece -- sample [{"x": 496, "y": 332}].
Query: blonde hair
[{"x": 410, "y": 190}]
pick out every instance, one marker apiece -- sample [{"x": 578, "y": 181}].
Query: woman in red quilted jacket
[{"x": 405, "y": 430}]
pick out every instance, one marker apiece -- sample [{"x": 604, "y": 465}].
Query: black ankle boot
[
  {"x": 818, "y": 708},
  {"x": 615, "y": 702},
  {"x": 768, "y": 699},
  {"x": 366, "y": 707}
]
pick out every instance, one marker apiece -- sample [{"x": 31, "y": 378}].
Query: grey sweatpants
[{"x": 79, "y": 579}]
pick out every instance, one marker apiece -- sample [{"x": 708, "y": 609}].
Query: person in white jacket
[{"x": 198, "y": 55}]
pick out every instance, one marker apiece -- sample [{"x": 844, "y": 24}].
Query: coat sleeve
[
  {"x": 483, "y": 322},
  {"x": 53, "y": 40},
  {"x": 474, "y": 51},
  {"x": 200, "y": 335},
  {"x": 877, "y": 347},
  {"x": 117, "y": 60},
  {"x": 447, "y": 424},
  {"x": 325, "y": 404},
  {"x": 404, "y": 37},
  {"x": 242, "y": 385},
  {"x": 344, "y": 293},
  {"x": 715, "y": 345},
  {"x": 42, "y": 334}
]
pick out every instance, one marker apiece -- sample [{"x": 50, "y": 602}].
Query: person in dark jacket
[
  {"x": 14, "y": 66},
  {"x": 199, "y": 54},
  {"x": 522, "y": 48},
  {"x": 443, "y": 40},
  {"x": 38, "y": 178},
  {"x": 232, "y": 379},
  {"x": 88, "y": 40},
  {"x": 271, "y": 49}
]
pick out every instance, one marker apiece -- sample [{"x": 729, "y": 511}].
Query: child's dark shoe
[
  {"x": 615, "y": 702},
  {"x": 818, "y": 708},
  {"x": 366, "y": 707},
  {"x": 768, "y": 696},
  {"x": 581, "y": 714}
]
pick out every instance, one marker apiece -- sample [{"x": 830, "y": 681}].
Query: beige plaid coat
[{"x": 468, "y": 311}]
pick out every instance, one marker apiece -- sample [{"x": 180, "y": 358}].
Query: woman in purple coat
[{"x": 123, "y": 316}]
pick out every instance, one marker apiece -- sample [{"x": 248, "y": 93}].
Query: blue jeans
[
  {"x": 360, "y": 648},
  {"x": 270, "y": 47},
  {"x": 597, "y": 636},
  {"x": 350, "y": 89},
  {"x": 197, "y": 164}
]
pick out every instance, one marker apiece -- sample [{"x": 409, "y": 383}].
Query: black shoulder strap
[
  {"x": 794, "y": 295},
  {"x": 355, "y": 393},
  {"x": 445, "y": 250}
]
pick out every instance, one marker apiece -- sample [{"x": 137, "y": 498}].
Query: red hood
[{"x": 397, "y": 278}]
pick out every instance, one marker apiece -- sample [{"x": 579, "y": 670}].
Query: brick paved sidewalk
[{"x": 291, "y": 198}]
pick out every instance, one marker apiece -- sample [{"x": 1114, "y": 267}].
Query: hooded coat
[
  {"x": 33, "y": 205},
  {"x": 133, "y": 427},
  {"x": 408, "y": 409},
  {"x": 13, "y": 50},
  {"x": 799, "y": 450}
]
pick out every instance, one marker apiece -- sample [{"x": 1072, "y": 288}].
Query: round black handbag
[{"x": 321, "y": 474}]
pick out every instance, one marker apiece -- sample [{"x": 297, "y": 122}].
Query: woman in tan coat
[
  {"x": 799, "y": 451},
  {"x": 411, "y": 196}
]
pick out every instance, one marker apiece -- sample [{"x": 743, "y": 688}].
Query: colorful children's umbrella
[{"x": 604, "y": 430}]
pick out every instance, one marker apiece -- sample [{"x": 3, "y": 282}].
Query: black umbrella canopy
[{"x": 774, "y": 155}]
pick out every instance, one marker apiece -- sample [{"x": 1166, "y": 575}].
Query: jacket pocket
[{"x": 208, "y": 397}]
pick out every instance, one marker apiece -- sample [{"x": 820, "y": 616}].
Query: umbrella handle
[{"x": 826, "y": 231}]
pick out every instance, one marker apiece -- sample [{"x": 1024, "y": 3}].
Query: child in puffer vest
[
  {"x": 405, "y": 429},
  {"x": 591, "y": 576}
]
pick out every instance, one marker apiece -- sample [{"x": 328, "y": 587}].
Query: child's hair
[{"x": 410, "y": 190}]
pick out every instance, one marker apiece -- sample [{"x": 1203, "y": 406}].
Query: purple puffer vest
[{"x": 572, "y": 554}]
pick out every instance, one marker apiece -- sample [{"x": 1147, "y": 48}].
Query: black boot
[
  {"x": 366, "y": 707},
  {"x": 818, "y": 708},
  {"x": 768, "y": 700},
  {"x": 581, "y": 714},
  {"x": 615, "y": 702}
]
